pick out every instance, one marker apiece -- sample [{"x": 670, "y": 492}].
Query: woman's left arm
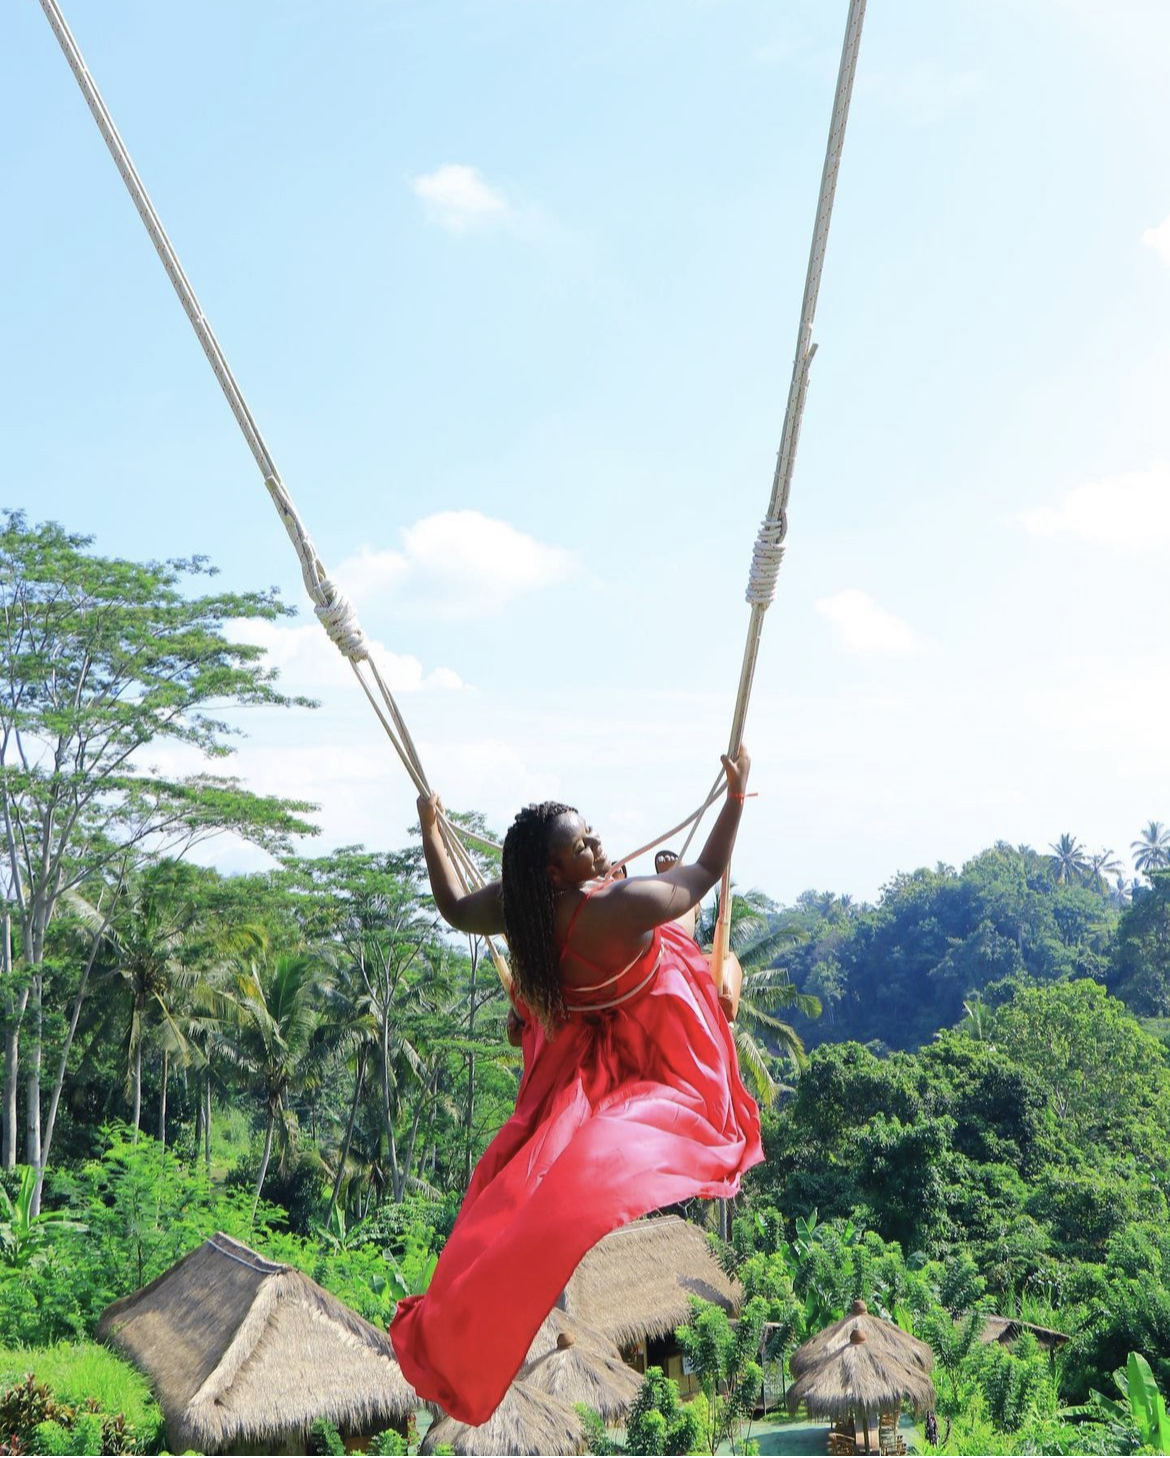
[{"x": 479, "y": 913}]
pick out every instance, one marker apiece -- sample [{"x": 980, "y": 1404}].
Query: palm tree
[
  {"x": 273, "y": 1033},
  {"x": 977, "y": 1020},
  {"x": 757, "y": 939},
  {"x": 148, "y": 975},
  {"x": 1151, "y": 850},
  {"x": 1102, "y": 864},
  {"x": 1068, "y": 858}
]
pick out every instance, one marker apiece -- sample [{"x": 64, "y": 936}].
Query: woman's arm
[
  {"x": 479, "y": 913},
  {"x": 636, "y": 906}
]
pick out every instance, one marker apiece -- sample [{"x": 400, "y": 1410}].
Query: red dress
[{"x": 636, "y": 1103}]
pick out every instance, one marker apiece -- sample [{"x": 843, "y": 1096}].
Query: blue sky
[{"x": 512, "y": 289}]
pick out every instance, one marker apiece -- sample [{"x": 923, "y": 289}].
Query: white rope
[
  {"x": 768, "y": 552},
  {"x": 334, "y": 610}
]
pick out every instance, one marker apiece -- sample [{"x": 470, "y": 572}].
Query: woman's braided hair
[{"x": 529, "y": 905}]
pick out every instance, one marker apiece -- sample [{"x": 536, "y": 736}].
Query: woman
[{"x": 630, "y": 1100}]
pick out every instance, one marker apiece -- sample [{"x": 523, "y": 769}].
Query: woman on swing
[{"x": 630, "y": 1100}]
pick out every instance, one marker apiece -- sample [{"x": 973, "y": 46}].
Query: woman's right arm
[{"x": 479, "y": 913}]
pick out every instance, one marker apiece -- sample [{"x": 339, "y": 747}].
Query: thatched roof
[
  {"x": 526, "y": 1422},
  {"x": 557, "y": 1324},
  {"x": 1005, "y": 1330},
  {"x": 576, "y": 1373},
  {"x": 241, "y": 1350},
  {"x": 857, "y": 1376},
  {"x": 638, "y": 1281},
  {"x": 883, "y": 1336}
]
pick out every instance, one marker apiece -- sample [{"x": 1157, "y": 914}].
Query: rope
[
  {"x": 337, "y": 614},
  {"x": 768, "y": 552},
  {"x": 333, "y": 609}
]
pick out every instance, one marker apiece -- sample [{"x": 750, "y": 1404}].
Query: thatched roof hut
[
  {"x": 638, "y": 1281},
  {"x": 244, "y": 1353},
  {"x": 1005, "y": 1330},
  {"x": 576, "y": 1373},
  {"x": 858, "y": 1376},
  {"x": 526, "y": 1422},
  {"x": 882, "y": 1336}
]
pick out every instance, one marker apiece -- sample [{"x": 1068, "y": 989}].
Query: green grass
[
  {"x": 232, "y": 1137},
  {"x": 74, "y": 1372}
]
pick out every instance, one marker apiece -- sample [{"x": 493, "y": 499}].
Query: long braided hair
[{"x": 529, "y": 905}]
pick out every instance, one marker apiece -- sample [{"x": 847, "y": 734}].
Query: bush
[
  {"x": 68, "y": 1385},
  {"x": 324, "y": 1438},
  {"x": 86, "y": 1372}
]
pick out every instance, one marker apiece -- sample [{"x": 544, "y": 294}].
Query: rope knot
[
  {"x": 767, "y": 555},
  {"x": 339, "y": 618}
]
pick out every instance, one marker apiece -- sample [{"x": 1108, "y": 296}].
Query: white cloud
[
  {"x": 458, "y": 198},
  {"x": 457, "y": 564},
  {"x": 1159, "y": 239},
  {"x": 1128, "y": 512},
  {"x": 864, "y": 627},
  {"x": 308, "y": 661}
]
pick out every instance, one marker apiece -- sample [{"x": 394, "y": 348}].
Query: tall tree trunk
[
  {"x": 359, "y": 1079},
  {"x": 11, "y": 1085},
  {"x": 15, "y": 1010},
  {"x": 63, "y": 1063},
  {"x": 162, "y": 1101},
  {"x": 32, "y": 1145},
  {"x": 397, "y": 1183},
  {"x": 207, "y": 1125},
  {"x": 469, "y": 1111},
  {"x": 137, "y": 1112},
  {"x": 263, "y": 1175}
]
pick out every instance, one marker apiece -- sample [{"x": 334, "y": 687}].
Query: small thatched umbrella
[
  {"x": 575, "y": 1373},
  {"x": 883, "y": 1336},
  {"x": 526, "y": 1422},
  {"x": 859, "y": 1377},
  {"x": 558, "y": 1324}
]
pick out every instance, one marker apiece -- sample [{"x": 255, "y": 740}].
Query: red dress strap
[{"x": 577, "y": 910}]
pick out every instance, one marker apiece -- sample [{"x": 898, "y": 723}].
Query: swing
[{"x": 334, "y": 610}]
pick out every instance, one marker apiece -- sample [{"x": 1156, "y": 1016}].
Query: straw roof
[
  {"x": 637, "y": 1282},
  {"x": 525, "y": 1422},
  {"x": 860, "y": 1376},
  {"x": 557, "y": 1324},
  {"x": 883, "y": 1336},
  {"x": 241, "y": 1350},
  {"x": 1005, "y": 1330},
  {"x": 576, "y": 1373}
]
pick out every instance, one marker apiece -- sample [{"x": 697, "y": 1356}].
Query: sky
[{"x": 512, "y": 288}]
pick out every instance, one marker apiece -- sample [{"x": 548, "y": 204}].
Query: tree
[
  {"x": 723, "y": 1359},
  {"x": 1151, "y": 850},
  {"x": 100, "y": 658},
  {"x": 1069, "y": 860},
  {"x": 271, "y": 1032},
  {"x": 1107, "y": 1078},
  {"x": 1140, "y": 970},
  {"x": 1103, "y": 863},
  {"x": 391, "y": 975},
  {"x": 758, "y": 935}
]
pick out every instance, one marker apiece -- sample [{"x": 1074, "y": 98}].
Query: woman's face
[{"x": 575, "y": 853}]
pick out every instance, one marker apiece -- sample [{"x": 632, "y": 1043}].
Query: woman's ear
[{"x": 554, "y": 876}]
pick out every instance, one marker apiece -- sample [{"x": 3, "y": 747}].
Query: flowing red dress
[{"x": 636, "y": 1103}]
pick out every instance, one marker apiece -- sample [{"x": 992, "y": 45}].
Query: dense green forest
[{"x": 966, "y": 1086}]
